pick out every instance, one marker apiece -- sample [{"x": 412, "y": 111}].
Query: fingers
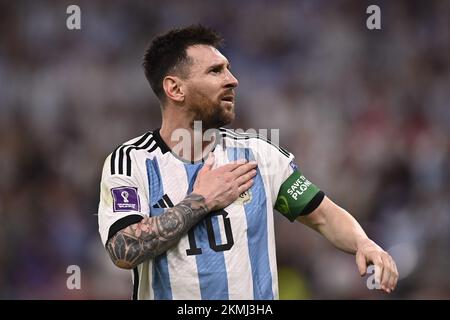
[
  {"x": 243, "y": 169},
  {"x": 231, "y": 166},
  {"x": 246, "y": 164},
  {"x": 386, "y": 273},
  {"x": 223, "y": 185},
  {"x": 394, "y": 283},
  {"x": 245, "y": 186},
  {"x": 394, "y": 273},
  {"x": 238, "y": 167},
  {"x": 246, "y": 177},
  {"x": 390, "y": 273},
  {"x": 209, "y": 163},
  {"x": 361, "y": 263}
]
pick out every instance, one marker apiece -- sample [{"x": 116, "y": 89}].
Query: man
[{"x": 194, "y": 229}]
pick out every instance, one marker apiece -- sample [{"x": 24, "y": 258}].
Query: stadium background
[{"x": 366, "y": 113}]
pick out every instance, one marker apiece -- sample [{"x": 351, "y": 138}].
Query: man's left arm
[
  {"x": 299, "y": 199},
  {"x": 345, "y": 233}
]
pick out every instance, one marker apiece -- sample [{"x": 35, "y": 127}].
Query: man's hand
[
  {"x": 386, "y": 273},
  {"x": 345, "y": 233},
  {"x": 223, "y": 185}
]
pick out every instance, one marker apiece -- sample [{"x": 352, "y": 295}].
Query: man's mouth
[{"x": 228, "y": 98}]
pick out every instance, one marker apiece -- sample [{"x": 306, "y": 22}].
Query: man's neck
[{"x": 186, "y": 142}]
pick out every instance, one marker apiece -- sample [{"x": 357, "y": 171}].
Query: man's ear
[{"x": 173, "y": 86}]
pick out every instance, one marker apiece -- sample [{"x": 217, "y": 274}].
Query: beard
[{"x": 212, "y": 115}]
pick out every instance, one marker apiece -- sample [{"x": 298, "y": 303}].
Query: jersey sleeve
[
  {"x": 123, "y": 201},
  {"x": 295, "y": 194}
]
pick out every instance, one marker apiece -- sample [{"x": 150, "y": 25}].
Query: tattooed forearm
[{"x": 154, "y": 235}]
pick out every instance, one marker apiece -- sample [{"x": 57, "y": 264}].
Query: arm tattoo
[{"x": 155, "y": 235}]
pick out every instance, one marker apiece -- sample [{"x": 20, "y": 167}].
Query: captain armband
[{"x": 298, "y": 196}]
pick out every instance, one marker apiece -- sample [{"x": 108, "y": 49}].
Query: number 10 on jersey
[{"x": 194, "y": 250}]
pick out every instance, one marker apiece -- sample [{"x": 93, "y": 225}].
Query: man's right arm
[{"x": 154, "y": 235}]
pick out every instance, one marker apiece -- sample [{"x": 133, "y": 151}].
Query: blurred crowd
[{"x": 366, "y": 112}]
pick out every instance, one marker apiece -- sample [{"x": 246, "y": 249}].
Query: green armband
[{"x": 295, "y": 194}]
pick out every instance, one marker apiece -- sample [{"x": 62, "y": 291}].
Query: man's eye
[{"x": 215, "y": 70}]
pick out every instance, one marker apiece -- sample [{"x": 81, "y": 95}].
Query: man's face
[{"x": 210, "y": 87}]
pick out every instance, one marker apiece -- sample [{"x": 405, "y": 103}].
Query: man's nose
[{"x": 231, "y": 81}]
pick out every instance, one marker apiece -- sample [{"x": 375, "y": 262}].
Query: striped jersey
[{"x": 230, "y": 254}]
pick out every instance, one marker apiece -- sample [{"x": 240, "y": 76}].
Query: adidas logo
[{"x": 164, "y": 202}]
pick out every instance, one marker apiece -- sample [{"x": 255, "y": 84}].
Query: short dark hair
[{"x": 167, "y": 53}]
